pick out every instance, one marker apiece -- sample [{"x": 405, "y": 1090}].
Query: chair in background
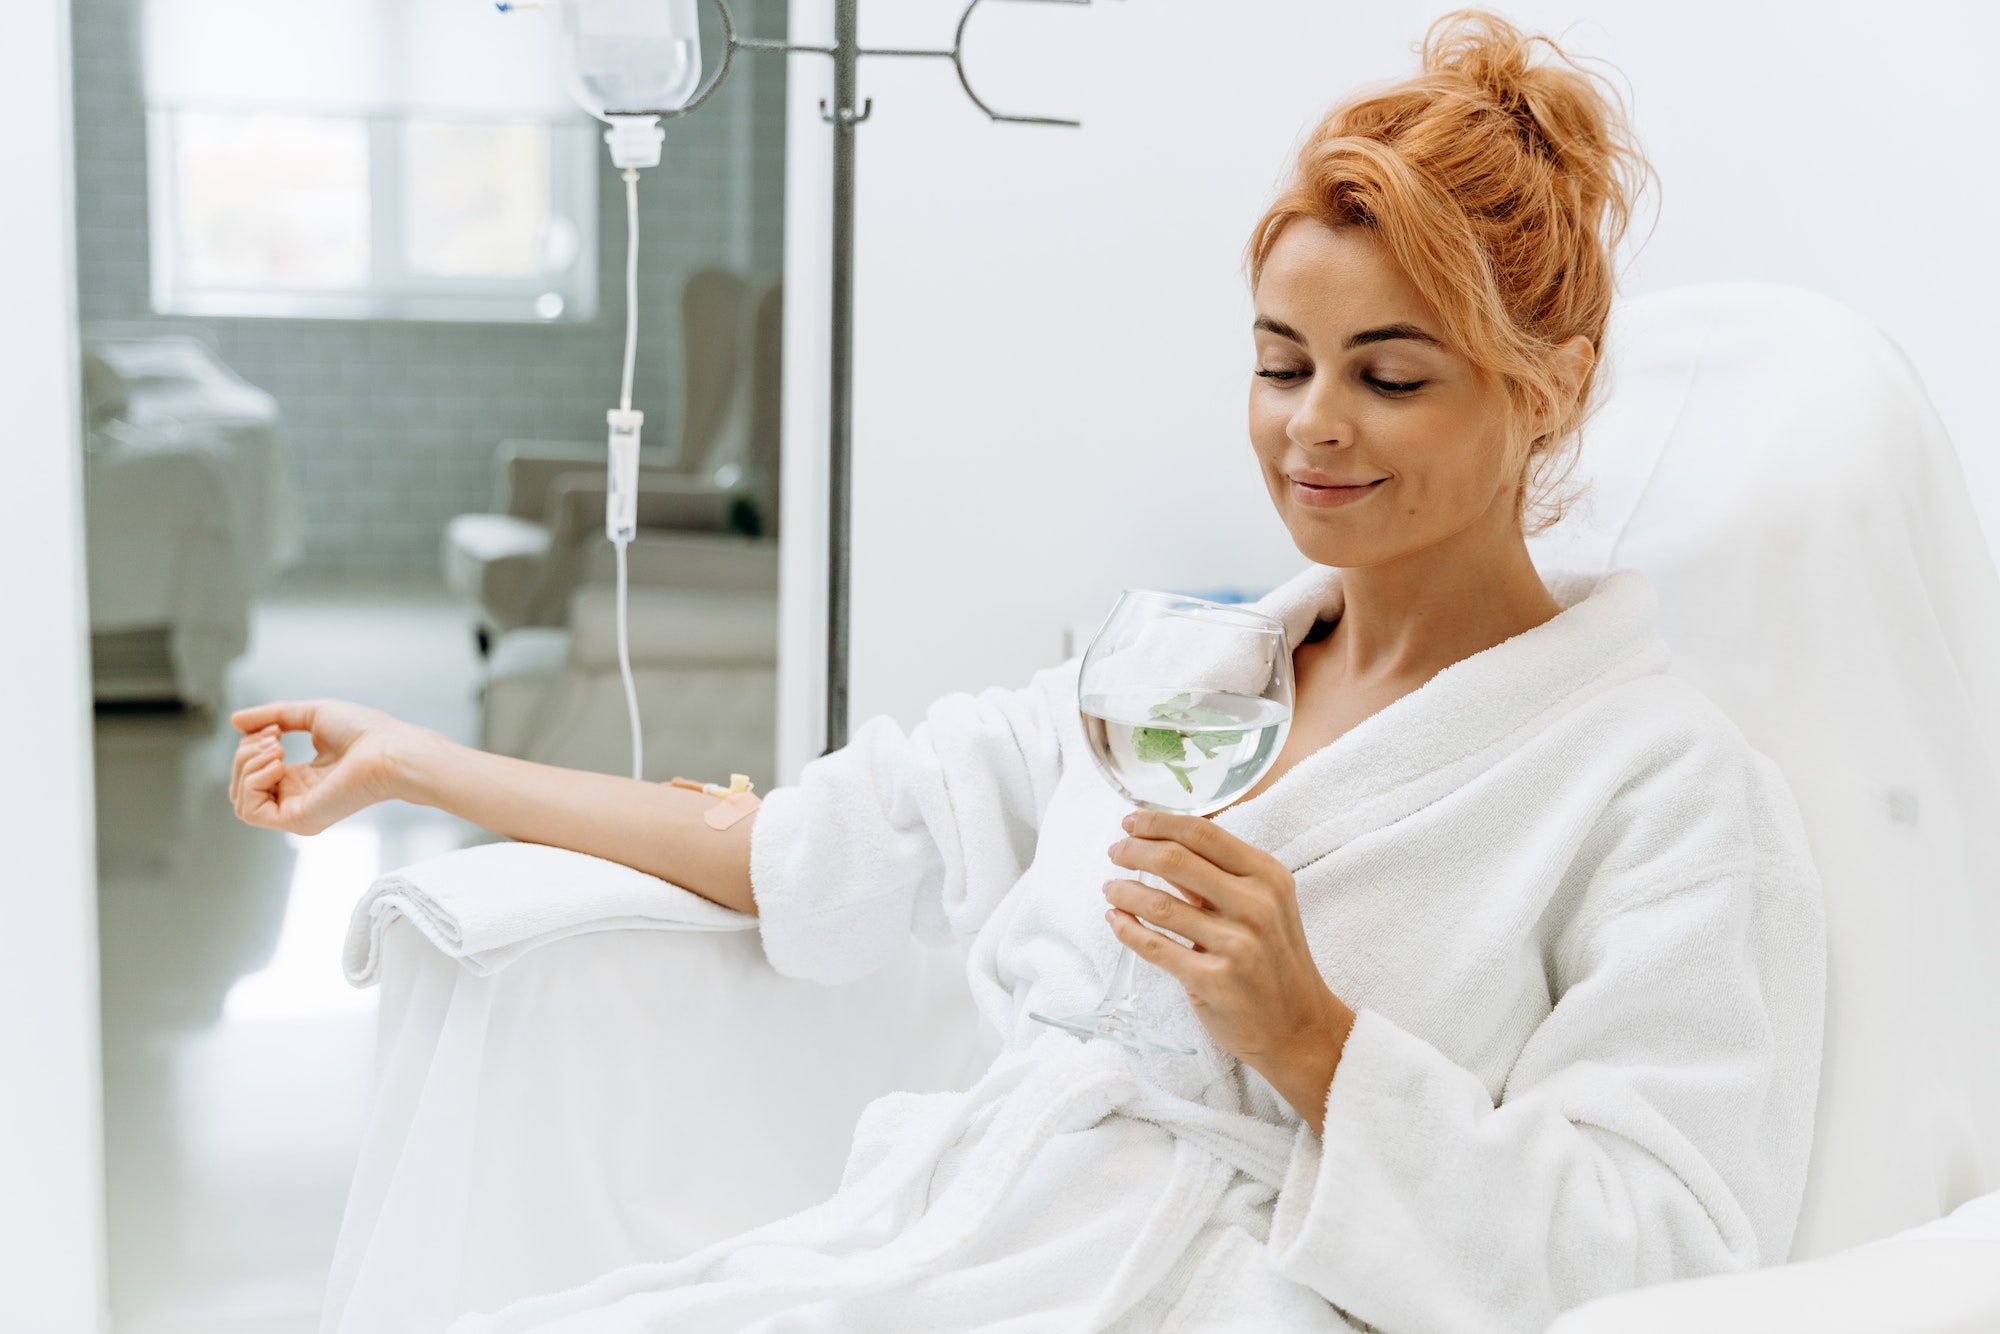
[
  {"x": 520, "y": 563},
  {"x": 519, "y": 566},
  {"x": 190, "y": 509},
  {"x": 1774, "y": 465}
]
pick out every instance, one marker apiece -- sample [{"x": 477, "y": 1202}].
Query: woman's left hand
[{"x": 1248, "y": 973}]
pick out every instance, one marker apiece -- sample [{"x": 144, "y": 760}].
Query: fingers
[
  {"x": 1204, "y": 837},
  {"x": 252, "y": 750},
  {"x": 1180, "y": 866},
  {"x": 286, "y": 715},
  {"x": 1170, "y": 956},
  {"x": 1161, "y": 909},
  {"x": 257, "y": 795}
]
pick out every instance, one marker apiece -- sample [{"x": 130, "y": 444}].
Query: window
[{"x": 400, "y": 161}]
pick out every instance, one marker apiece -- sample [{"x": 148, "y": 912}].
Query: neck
[{"x": 1418, "y": 614}]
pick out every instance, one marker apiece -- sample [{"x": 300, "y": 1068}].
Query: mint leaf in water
[
  {"x": 1168, "y": 745},
  {"x": 1210, "y": 742}
]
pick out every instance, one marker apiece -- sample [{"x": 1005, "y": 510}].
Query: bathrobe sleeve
[
  {"x": 1656, "y": 1125},
  {"x": 908, "y": 833}
]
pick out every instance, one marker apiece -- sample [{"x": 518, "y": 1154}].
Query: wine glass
[{"x": 1186, "y": 704}]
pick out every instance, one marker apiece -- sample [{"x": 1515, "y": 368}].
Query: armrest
[
  {"x": 575, "y": 508},
  {"x": 524, "y": 470},
  {"x": 487, "y": 905},
  {"x": 1904, "y": 1286},
  {"x": 529, "y": 469}
]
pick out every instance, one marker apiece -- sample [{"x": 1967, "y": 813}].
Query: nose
[{"x": 1321, "y": 417}]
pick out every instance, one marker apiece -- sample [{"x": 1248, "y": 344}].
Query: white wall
[
  {"x": 51, "y": 1190},
  {"x": 1053, "y": 324}
]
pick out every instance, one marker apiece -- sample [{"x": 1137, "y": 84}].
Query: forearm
[{"x": 650, "y": 827}]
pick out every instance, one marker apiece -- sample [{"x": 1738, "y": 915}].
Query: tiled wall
[{"x": 391, "y": 424}]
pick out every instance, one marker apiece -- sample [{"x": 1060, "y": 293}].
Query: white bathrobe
[{"x": 1573, "y": 911}]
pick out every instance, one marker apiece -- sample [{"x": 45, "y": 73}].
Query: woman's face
[{"x": 1376, "y": 439}]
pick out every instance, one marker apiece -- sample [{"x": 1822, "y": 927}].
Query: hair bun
[{"x": 1568, "y": 116}]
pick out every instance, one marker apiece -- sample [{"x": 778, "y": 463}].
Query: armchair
[
  {"x": 1773, "y": 464},
  {"x": 520, "y": 563}
]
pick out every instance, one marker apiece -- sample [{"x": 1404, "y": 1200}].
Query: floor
[{"x": 237, "y": 1061}]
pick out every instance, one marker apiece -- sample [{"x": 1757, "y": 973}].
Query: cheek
[
  {"x": 1268, "y": 422},
  {"x": 1441, "y": 456}
]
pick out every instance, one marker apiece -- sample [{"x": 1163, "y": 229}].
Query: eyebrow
[{"x": 1388, "y": 333}]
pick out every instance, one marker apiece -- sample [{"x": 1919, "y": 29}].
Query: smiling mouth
[{"x": 1332, "y": 497}]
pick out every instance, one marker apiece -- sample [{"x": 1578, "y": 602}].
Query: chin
[{"x": 1338, "y": 541}]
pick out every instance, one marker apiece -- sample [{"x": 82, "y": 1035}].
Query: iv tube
[
  {"x": 625, "y": 670},
  {"x": 631, "y": 284},
  {"x": 621, "y": 494}
]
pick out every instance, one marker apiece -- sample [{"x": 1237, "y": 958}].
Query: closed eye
[
  {"x": 1280, "y": 375},
  {"x": 1395, "y": 386}
]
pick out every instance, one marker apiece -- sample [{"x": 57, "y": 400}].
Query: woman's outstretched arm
[{"x": 363, "y": 756}]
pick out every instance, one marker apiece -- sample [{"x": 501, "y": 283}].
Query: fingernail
[
  {"x": 1112, "y": 851},
  {"x": 1107, "y": 887},
  {"x": 1129, "y": 823}
]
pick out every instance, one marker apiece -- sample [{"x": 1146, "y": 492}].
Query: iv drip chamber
[
  {"x": 631, "y": 55},
  {"x": 621, "y": 493}
]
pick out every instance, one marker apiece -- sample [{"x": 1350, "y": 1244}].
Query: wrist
[
  {"x": 1313, "y": 1058},
  {"x": 415, "y": 766}
]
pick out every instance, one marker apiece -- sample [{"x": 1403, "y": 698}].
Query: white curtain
[{"x": 354, "y": 57}]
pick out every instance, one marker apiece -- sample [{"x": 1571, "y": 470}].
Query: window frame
[{"x": 391, "y": 292}]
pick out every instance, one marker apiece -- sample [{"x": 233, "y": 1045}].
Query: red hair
[{"x": 1501, "y": 184}]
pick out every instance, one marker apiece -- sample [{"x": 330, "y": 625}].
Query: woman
[{"x": 1506, "y": 981}]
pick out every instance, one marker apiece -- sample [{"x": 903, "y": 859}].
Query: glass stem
[{"x": 1123, "y": 992}]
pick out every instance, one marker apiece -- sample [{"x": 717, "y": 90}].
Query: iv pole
[{"x": 843, "y": 115}]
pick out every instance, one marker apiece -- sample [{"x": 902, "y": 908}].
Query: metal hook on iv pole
[
  {"x": 843, "y": 115},
  {"x": 956, "y": 55},
  {"x": 731, "y": 44},
  {"x": 847, "y": 115}
]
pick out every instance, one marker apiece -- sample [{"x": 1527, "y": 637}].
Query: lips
[{"x": 1330, "y": 494}]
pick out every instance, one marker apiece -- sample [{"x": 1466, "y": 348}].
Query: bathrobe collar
[{"x": 1458, "y": 723}]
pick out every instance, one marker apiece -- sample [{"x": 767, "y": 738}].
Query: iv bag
[{"x": 631, "y": 55}]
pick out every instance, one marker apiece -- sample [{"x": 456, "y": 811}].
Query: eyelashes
[{"x": 1392, "y": 388}]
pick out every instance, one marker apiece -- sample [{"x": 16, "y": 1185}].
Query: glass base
[{"x": 1118, "y": 1022}]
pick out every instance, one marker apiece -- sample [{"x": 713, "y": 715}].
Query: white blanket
[
  {"x": 1573, "y": 910},
  {"x": 487, "y": 906}
]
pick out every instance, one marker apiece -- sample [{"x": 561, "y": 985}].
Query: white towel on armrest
[{"x": 486, "y": 906}]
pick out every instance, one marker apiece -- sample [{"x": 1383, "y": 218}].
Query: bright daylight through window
[{"x": 290, "y": 177}]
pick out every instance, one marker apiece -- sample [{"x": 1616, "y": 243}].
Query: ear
[{"x": 1571, "y": 363}]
